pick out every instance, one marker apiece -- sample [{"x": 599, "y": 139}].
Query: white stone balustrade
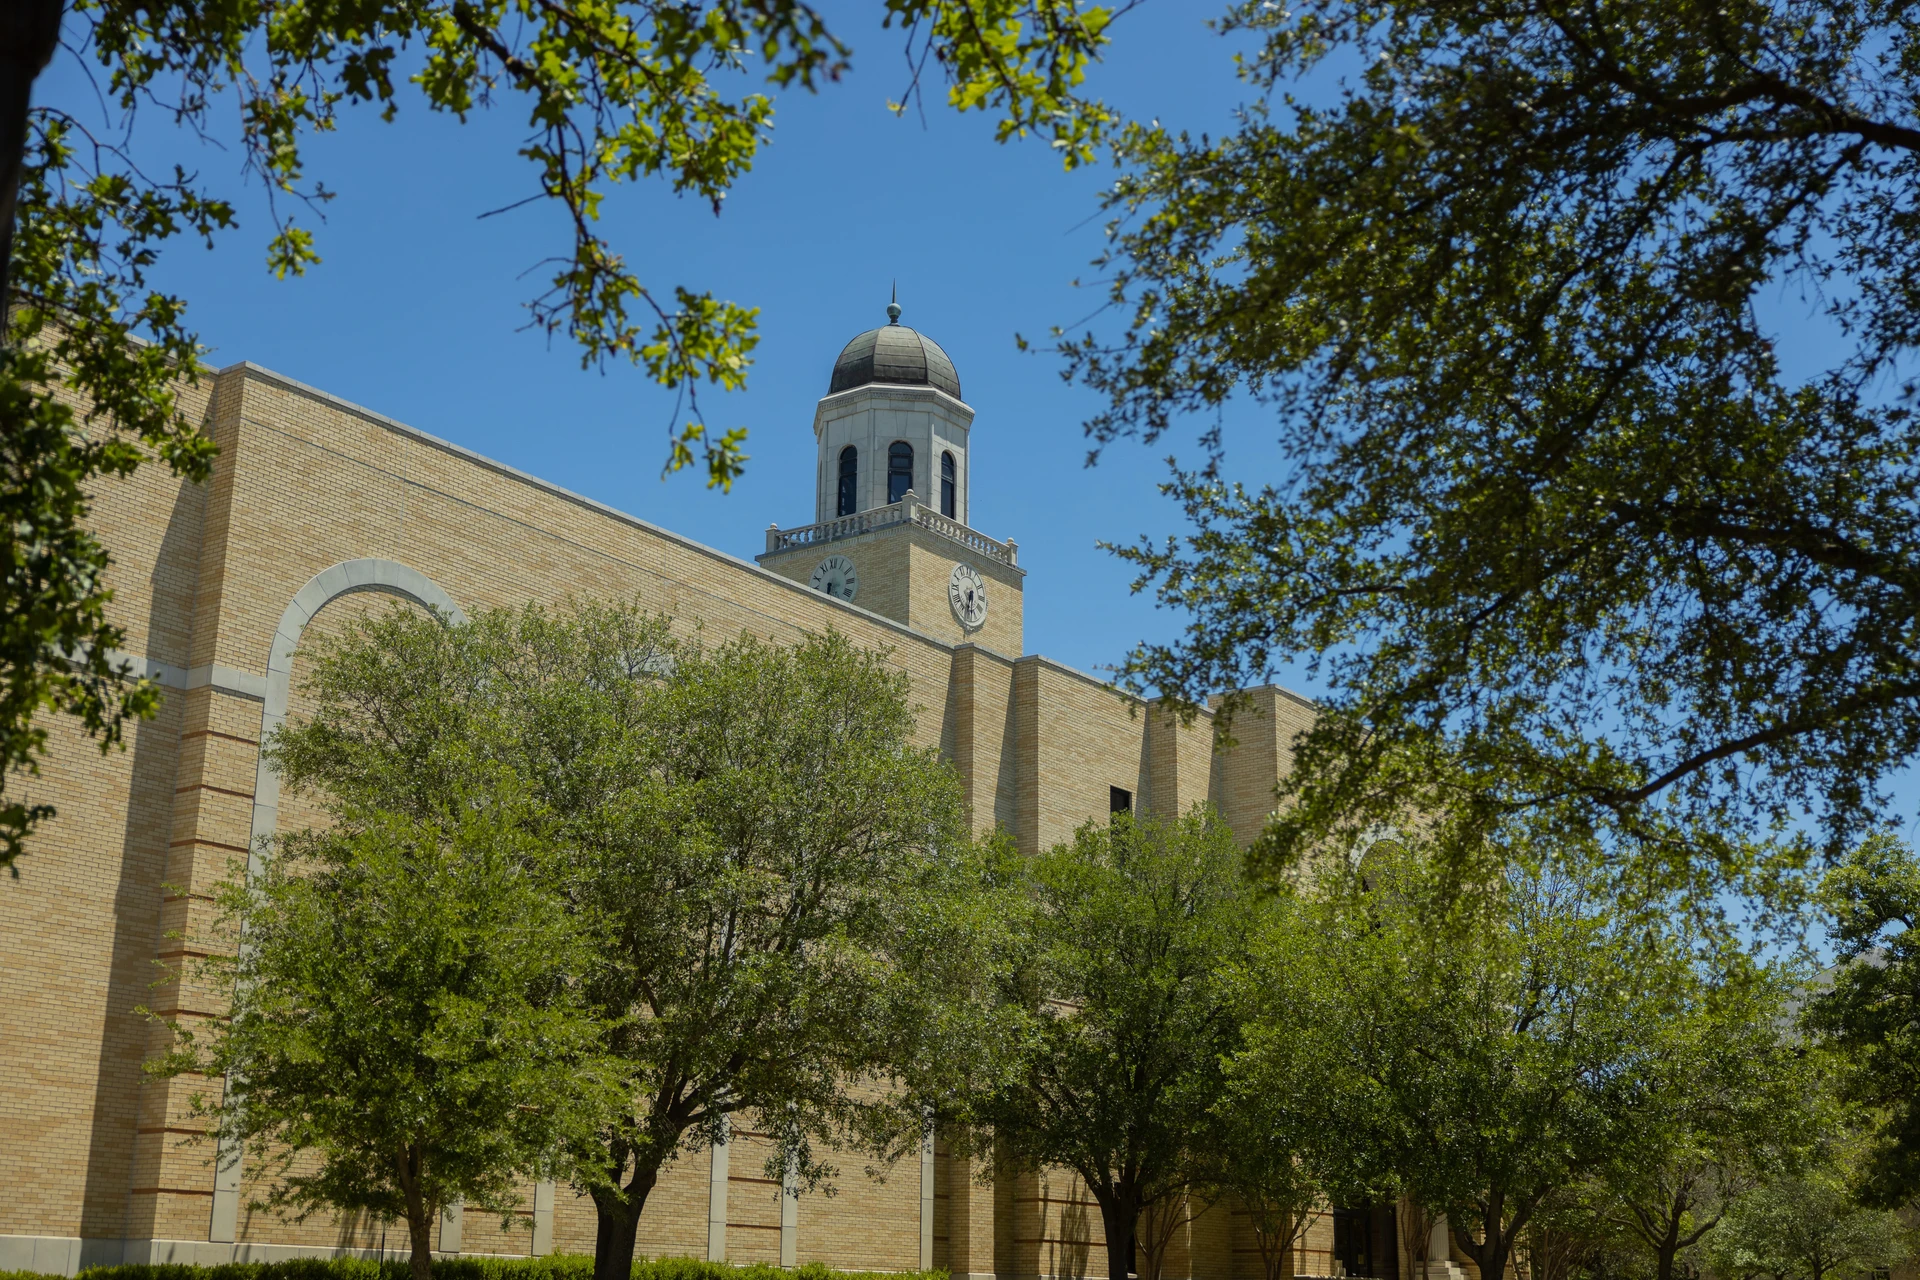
[{"x": 909, "y": 510}]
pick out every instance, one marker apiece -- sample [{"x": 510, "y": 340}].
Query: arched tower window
[
  {"x": 899, "y": 470},
  {"x": 849, "y": 481},
  {"x": 947, "y": 485}
]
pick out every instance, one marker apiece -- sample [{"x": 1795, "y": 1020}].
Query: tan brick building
[{"x": 317, "y": 508}]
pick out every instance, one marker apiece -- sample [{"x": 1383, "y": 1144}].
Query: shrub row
[{"x": 558, "y": 1267}]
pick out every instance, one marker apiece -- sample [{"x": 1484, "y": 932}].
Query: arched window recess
[
  {"x": 899, "y": 470},
  {"x": 849, "y": 482}
]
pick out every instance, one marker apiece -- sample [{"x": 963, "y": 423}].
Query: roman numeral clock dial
[
  {"x": 967, "y": 593},
  {"x": 836, "y": 576}
]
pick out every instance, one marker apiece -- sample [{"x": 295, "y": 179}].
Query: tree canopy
[
  {"x": 1265, "y": 1139},
  {"x": 1737, "y": 1102},
  {"x": 1806, "y": 1226},
  {"x": 783, "y": 913},
  {"x": 1561, "y": 522},
  {"x": 1871, "y": 1012},
  {"x": 1481, "y": 1050},
  {"x": 408, "y": 1028},
  {"x": 793, "y": 922}
]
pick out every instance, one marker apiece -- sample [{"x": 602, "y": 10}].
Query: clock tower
[{"x": 890, "y": 529}]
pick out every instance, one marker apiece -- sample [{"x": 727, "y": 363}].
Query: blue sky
[{"x": 415, "y": 310}]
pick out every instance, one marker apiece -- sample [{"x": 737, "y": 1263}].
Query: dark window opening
[
  {"x": 1119, "y": 800},
  {"x": 947, "y": 486},
  {"x": 849, "y": 481},
  {"x": 1365, "y": 1242},
  {"x": 899, "y": 470},
  {"x": 1350, "y": 1244}
]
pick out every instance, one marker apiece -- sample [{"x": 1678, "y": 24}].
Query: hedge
[{"x": 557, "y": 1267}]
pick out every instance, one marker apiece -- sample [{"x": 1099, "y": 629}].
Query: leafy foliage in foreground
[
  {"x": 612, "y": 93},
  {"x": 81, "y": 401},
  {"x": 1561, "y": 525}
]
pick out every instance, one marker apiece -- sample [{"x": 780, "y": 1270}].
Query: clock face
[
  {"x": 836, "y": 576},
  {"x": 967, "y": 593}
]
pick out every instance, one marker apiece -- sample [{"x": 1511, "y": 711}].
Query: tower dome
[{"x": 894, "y": 354}]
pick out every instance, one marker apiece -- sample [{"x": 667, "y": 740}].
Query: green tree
[
  {"x": 1871, "y": 1013},
  {"x": 1807, "y": 1227},
  {"x": 1736, "y": 1100},
  {"x": 1497, "y": 1042},
  {"x": 786, "y": 915},
  {"x": 408, "y": 1025},
  {"x": 1253, "y": 1158},
  {"x": 93, "y": 356},
  {"x": 1122, "y": 968},
  {"x": 1266, "y": 1142},
  {"x": 792, "y": 921},
  {"x": 1562, "y": 523},
  {"x": 1565, "y": 1238}
]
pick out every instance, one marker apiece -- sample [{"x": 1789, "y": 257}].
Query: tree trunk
[
  {"x": 1267, "y": 1241},
  {"x": 1669, "y": 1249},
  {"x": 1274, "y": 1233},
  {"x": 1154, "y": 1233},
  {"x": 1118, "y": 1215},
  {"x": 1497, "y": 1236},
  {"x": 617, "y": 1210},
  {"x": 420, "y": 1228},
  {"x": 29, "y": 33},
  {"x": 615, "y": 1231},
  {"x": 1659, "y": 1223},
  {"x": 1416, "y": 1223},
  {"x": 420, "y": 1214},
  {"x": 1491, "y": 1254}
]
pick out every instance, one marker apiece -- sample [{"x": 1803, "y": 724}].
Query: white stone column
[
  {"x": 224, "y": 1223},
  {"x": 543, "y": 1192},
  {"x": 1440, "y": 1250},
  {"x": 926, "y": 1199},
  {"x": 453, "y": 1218},
  {"x": 790, "y": 1218}
]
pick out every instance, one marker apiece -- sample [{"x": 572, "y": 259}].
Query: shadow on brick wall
[{"x": 153, "y": 748}]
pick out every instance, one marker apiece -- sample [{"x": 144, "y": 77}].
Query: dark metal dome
[{"x": 894, "y": 353}]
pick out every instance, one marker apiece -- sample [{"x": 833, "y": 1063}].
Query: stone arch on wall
[{"x": 349, "y": 577}]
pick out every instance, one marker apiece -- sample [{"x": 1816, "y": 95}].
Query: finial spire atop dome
[{"x": 893, "y": 305}]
